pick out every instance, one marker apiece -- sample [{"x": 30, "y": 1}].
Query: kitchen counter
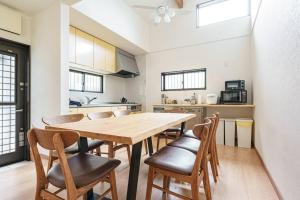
[
  {"x": 103, "y": 105},
  {"x": 207, "y": 105}
]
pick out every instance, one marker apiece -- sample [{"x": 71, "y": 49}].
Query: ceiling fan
[{"x": 165, "y": 12}]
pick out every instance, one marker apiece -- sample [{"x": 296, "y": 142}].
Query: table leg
[
  {"x": 182, "y": 128},
  {"x": 150, "y": 146},
  {"x": 134, "y": 170}
]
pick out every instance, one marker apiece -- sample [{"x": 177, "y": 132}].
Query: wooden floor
[{"x": 241, "y": 177}]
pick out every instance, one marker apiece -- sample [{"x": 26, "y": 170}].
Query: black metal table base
[{"x": 134, "y": 166}]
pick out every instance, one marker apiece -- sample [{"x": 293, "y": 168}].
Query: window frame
[
  {"x": 212, "y": 2},
  {"x": 83, "y": 81},
  {"x": 163, "y": 74}
]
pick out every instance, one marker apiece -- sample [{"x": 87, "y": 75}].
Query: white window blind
[
  {"x": 85, "y": 82},
  {"x": 184, "y": 80}
]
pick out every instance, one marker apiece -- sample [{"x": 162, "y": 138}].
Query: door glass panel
[
  {"x": 7, "y": 129},
  {"x": 7, "y": 79},
  {"x": 7, "y": 104}
]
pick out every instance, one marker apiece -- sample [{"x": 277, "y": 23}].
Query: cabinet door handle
[{"x": 20, "y": 110}]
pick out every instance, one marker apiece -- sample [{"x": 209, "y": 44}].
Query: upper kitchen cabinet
[
  {"x": 110, "y": 59},
  {"x": 72, "y": 43},
  {"x": 99, "y": 54},
  {"x": 84, "y": 48}
]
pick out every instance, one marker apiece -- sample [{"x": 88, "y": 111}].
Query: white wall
[
  {"x": 275, "y": 56},
  {"x": 254, "y": 5},
  {"x": 224, "y": 60},
  {"x": 117, "y": 16},
  {"x": 25, "y": 37},
  {"x": 49, "y": 61}
]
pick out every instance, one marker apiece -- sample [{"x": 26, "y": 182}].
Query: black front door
[{"x": 14, "y": 102}]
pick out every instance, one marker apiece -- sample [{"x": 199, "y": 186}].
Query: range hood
[{"x": 125, "y": 64}]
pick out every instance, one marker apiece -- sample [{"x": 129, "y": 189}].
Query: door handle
[{"x": 20, "y": 110}]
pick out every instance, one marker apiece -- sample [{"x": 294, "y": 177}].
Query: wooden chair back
[
  {"x": 61, "y": 119},
  {"x": 203, "y": 132},
  {"x": 52, "y": 140},
  {"x": 215, "y": 117},
  {"x": 120, "y": 113},
  {"x": 100, "y": 115}
]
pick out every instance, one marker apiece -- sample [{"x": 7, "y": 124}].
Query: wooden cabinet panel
[
  {"x": 84, "y": 48},
  {"x": 99, "y": 54},
  {"x": 111, "y": 58},
  {"x": 72, "y": 43}
]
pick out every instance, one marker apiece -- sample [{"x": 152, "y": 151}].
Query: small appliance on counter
[
  {"x": 211, "y": 98},
  {"x": 123, "y": 100},
  {"x": 235, "y": 85},
  {"x": 74, "y": 103},
  {"x": 234, "y": 93}
]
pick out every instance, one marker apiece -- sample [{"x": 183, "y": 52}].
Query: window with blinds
[
  {"x": 184, "y": 80},
  {"x": 85, "y": 82}
]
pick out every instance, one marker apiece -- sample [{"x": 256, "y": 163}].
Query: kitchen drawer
[
  {"x": 119, "y": 108},
  {"x": 73, "y": 110}
]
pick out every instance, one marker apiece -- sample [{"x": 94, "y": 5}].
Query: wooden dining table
[{"x": 131, "y": 130}]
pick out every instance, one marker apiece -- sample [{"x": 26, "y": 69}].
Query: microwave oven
[
  {"x": 234, "y": 97},
  {"x": 235, "y": 85}
]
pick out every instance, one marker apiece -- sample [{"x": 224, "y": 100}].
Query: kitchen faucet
[{"x": 89, "y": 100}]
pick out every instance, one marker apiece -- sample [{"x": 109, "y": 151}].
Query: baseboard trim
[{"x": 270, "y": 177}]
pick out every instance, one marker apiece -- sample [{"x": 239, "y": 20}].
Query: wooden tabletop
[{"x": 129, "y": 129}]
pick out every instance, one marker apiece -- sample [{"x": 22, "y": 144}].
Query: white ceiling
[{"x": 28, "y": 7}]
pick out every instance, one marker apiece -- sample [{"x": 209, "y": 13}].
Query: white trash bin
[
  {"x": 244, "y": 132},
  {"x": 230, "y": 132},
  {"x": 220, "y": 132}
]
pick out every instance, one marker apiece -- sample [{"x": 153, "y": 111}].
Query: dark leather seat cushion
[
  {"x": 189, "y": 133},
  {"x": 187, "y": 143},
  {"x": 173, "y": 159},
  {"x": 92, "y": 144},
  {"x": 174, "y": 129},
  {"x": 85, "y": 169}
]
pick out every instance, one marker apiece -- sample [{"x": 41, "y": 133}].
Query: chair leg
[
  {"x": 216, "y": 153},
  {"x": 166, "y": 184},
  {"x": 206, "y": 182},
  {"x": 195, "y": 189},
  {"x": 146, "y": 146},
  {"x": 157, "y": 144},
  {"x": 112, "y": 180},
  {"x": 128, "y": 153},
  {"x": 213, "y": 166},
  {"x": 111, "y": 152},
  {"x": 98, "y": 151},
  {"x": 149, "y": 183}
]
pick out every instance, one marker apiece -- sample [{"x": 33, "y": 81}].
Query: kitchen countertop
[
  {"x": 208, "y": 105},
  {"x": 103, "y": 105}
]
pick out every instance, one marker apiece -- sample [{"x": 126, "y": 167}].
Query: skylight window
[{"x": 221, "y": 10}]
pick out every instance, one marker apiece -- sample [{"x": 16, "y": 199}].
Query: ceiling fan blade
[
  {"x": 179, "y": 3},
  {"x": 145, "y": 7},
  {"x": 182, "y": 12}
]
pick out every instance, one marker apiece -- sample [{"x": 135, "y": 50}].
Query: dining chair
[
  {"x": 181, "y": 164},
  {"x": 192, "y": 144},
  {"x": 77, "y": 174},
  {"x": 171, "y": 133},
  {"x": 61, "y": 119},
  {"x": 213, "y": 152},
  {"x": 114, "y": 147}
]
